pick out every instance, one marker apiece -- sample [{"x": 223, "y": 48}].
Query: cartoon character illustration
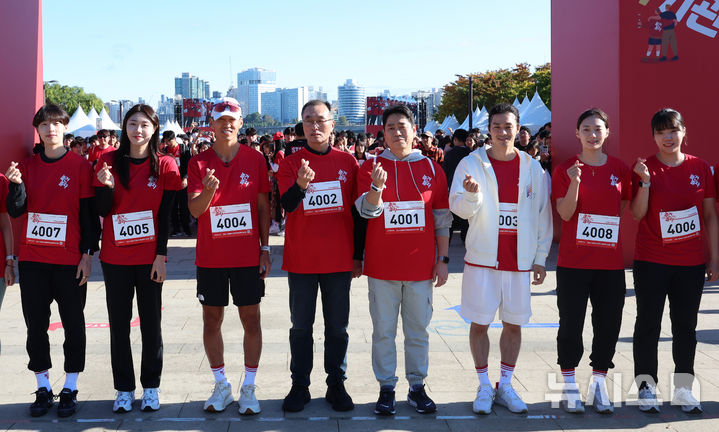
[
  {"x": 669, "y": 38},
  {"x": 655, "y": 26}
]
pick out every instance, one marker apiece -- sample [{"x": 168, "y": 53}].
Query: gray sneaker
[
  {"x": 571, "y": 400},
  {"x": 683, "y": 397},
  {"x": 598, "y": 397},
  {"x": 648, "y": 399}
]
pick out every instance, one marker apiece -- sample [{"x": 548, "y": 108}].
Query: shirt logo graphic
[
  {"x": 64, "y": 182},
  {"x": 244, "y": 179},
  {"x": 427, "y": 181},
  {"x": 152, "y": 182},
  {"x": 613, "y": 180},
  {"x": 694, "y": 180},
  {"x": 342, "y": 175}
]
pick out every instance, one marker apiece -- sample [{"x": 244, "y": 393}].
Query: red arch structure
[{"x": 599, "y": 59}]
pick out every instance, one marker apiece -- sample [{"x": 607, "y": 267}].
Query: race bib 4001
[{"x": 404, "y": 216}]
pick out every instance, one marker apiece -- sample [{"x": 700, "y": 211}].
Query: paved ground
[{"x": 187, "y": 380}]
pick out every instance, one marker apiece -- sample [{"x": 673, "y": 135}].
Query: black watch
[
  {"x": 444, "y": 259},
  {"x": 90, "y": 252}
]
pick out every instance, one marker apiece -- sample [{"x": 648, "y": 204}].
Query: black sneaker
[
  {"x": 339, "y": 399},
  {"x": 420, "y": 401},
  {"x": 296, "y": 399},
  {"x": 43, "y": 402},
  {"x": 385, "y": 403},
  {"x": 68, "y": 403}
]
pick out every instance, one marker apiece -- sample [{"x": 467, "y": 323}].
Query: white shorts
[{"x": 484, "y": 290}]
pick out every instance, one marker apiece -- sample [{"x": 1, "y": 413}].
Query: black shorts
[
  {"x": 654, "y": 41},
  {"x": 244, "y": 283}
]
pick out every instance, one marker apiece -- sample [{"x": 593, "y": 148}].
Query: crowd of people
[{"x": 382, "y": 206}]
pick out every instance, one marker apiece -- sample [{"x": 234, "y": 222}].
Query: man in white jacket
[{"x": 503, "y": 194}]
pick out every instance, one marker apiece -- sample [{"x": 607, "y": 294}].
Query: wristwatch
[
  {"x": 90, "y": 252},
  {"x": 645, "y": 185},
  {"x": 444, "y": 259}
]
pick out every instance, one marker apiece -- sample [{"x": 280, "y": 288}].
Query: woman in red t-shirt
[
  {"x": 591, "y": 190},
  {"x": 674, "y": 197},
  {"x": 135, "y": 189}
]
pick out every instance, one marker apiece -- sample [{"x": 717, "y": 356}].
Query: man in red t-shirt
[
  {"x": 317, "y": 186},
  {"x": 227, "y": 193},
  {"x": 103, "y": 146},
  {"x": 404, "y": 196},
  {"x": 504, "y": 194}
]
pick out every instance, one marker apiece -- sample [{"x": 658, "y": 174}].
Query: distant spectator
[{"x": 429, "y": 148}]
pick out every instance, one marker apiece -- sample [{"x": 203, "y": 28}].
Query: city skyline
[{"x": 134, "y": 49}]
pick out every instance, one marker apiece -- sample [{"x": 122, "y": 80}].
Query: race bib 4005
[{"x": 133, "y": 228}]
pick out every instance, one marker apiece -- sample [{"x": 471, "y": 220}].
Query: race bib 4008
[{"x": 597, "y": 230}]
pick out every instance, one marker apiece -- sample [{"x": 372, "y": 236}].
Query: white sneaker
[
  {"x": 221, "y": 397},
  {"x": 598, "y": 397},
  {"x": 485, "y": 397},
  {"x": 683, "y": 396},
  {"x": 274, "y": 227},
  {"x": 150, "y": 400},
  {"x": 571, "y": 400},
  {"x": 648, "y": 400},
  {"x": 247, "y": 401},
  {"x": 507, "y": 397},
  {"x": 123, "y": 401}
]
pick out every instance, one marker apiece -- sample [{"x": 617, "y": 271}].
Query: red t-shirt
[
  {"x": 601, "y": 192},
  {"x": 232, "y": 244},
  {"x": 54, "y": 188},
  {"x": 95, "y": 152},
  {"x": 673, "y": 189},
  {"x": 4, "y": 182},
  {"x": 715, "y": 169},
  {"x": 145, "y": 194},
  {"x": 507, "y": 174},
  {"x": 320, "y": 240},
  {"x": 394, "y": 252},
  {"x": 174, "y": 152},
  {"x": 655, "y": 26}
]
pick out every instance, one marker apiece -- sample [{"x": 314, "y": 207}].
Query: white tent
[
  {"x": 84, "y": 131},
  {"x": 536, "y": 115},
  {"x": 482, "y": 120},
  {"x": 92, "y": 115},
  {"x": 516, "y": 102},
  {"x": 178, "y": 128},
  {"x": 431, "y": 127},
  {"x": 452, "y": 124},
  {"x": 171, "y": 126},
  {"x": 78, "y": 119},
  {"x": 523, "y": 106},
  {"x": 106, "y": 122}
]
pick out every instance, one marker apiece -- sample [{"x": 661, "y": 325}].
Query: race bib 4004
[
  {"x": 404, "y": 216},
  {"x": 231, "y": 220},
  {"x": 323, "y": 197},
  {"x": 597, "y": 230},
  {"x": 133, "y": 228},
  {"x": 679, "y": 226},
  {"x": 46, "y": 229}
]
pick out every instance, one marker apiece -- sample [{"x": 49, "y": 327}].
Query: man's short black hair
[
  {"x": 299, "y": 130},
  {"x": 113, "y": 133},
  {"x": 545, "y": 134},
  {"x": 525, "y": 128},
  {"x": 461, "y": 135},
  {"x": 398, "y": 109},
  {"x": 502, "y": 108},
  {"x": 168, "y": 135},
  {"x": 68, "y": 136},
  {"x": 250, "y": 131},
  {"x": 315, "y": 102},
  {"x": 289, "y": 131}
]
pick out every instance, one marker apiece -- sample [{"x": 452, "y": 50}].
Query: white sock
[
  {"x": 219, "y": 373},
  {"x": 43, "y": 379},
  {"x": 71, "y": 380},
  {"x": 658, "y": 53},
  {"x": 598, "y": 376},
  {"x": 250, "y": 372},
  {"x": 649, "y": 52},
  {"x": 506, "y": 371},
  {"x": 568, "y": 375},
  {"x": 483, "y": 375}
]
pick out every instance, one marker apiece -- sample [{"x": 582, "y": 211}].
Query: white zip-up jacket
[{"x": 534, "y": 213}]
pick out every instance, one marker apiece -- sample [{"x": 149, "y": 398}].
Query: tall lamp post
[{"x": 471, "y": 97}]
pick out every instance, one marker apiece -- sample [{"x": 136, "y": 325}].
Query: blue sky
[{"x": 129, "y": 49}]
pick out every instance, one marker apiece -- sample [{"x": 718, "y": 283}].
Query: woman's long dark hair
[{"x": 122, "y": 154}]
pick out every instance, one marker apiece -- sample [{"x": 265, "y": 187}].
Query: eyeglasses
[
  {"x": 222, "y": 106},
  {"x": 319, "y": 122}
]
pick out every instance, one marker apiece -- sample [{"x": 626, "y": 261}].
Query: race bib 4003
[
  {"x": 507, "y": 218},
  {"x": 46, "y": 229},
  {"x": 133, "y": 228},
  {"x": 403, "y": 216},
  {"x": 597, "y": 230},
  {"x": 679, "y": 226},
  {"x": 323, "y": 197},
  {"x": 231, "y": 220}
]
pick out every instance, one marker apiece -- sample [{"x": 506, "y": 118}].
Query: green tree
[
  {"x": 493, "y": 87},
  {"x": 70, "y": 97},
  {"x": 342, "y": 121}
]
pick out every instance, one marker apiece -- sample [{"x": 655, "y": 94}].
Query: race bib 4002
[
  {"x": 323, "y": 197},
  {"x": 403, "y": 216},
  {"x": 597, "y": 230},
  {"x": 679, "y": 226},
  {"x": 46, "y": 229},
  {"x": 231, "y": 220},
  {"x": 133, "y": 228}
]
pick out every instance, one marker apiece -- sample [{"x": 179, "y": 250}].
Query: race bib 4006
[{"x": 679, "y": 226}]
